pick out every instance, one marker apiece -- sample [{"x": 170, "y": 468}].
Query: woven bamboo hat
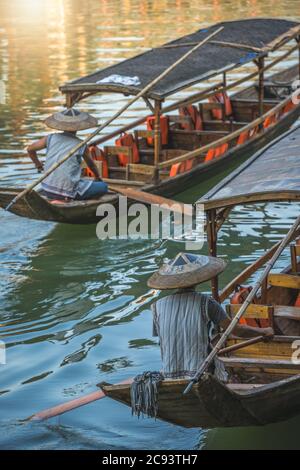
[
  {"x": 186, "y": 270},
  {"x": 71, "y": 120}
]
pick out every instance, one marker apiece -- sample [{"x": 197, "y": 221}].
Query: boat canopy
[
  {"x": 238, "y": 43},
  {"x": 272, "y": 174}
]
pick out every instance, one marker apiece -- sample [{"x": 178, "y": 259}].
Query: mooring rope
[{"x": 144, "y": 394}]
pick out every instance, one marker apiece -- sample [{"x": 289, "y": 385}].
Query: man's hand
[
  {"x": 33, "y": 148},
  {"x": 91, "y": 164},
  {"x": 245, "y": 331}
]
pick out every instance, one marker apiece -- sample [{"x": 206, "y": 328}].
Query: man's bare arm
[
  {"x": 32, "y": 152},
  {"x": 245, "y": 331},
  {"x": 91, "y": 164}
]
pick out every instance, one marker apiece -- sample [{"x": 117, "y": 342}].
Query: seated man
[
  {"x": 65, "y": 182},
  {"x": 186, "y": 320}
]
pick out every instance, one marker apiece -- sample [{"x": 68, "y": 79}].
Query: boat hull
[{"x": 212, "y": 404}]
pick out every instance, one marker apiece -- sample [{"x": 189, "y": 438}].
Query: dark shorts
[{"x": 96, "y": 189}]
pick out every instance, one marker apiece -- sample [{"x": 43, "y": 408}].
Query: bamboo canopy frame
[{"x": 115, "y": 116}]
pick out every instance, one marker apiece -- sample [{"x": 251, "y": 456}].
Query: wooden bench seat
[
  {"x": 284, "y": 311},
  {"x": 190, "y": 140},
  {"x": 289, "y": 281},
  {"x": 217, "y": 134},
  {"x": 245, "y": 363},
  {"x": 215, "y": 125},
  {"x": 295, "y": 252},
  {"x": 247, "y": 109},
  {"x": 254, "y": 311},
  {"x": 243, "y": 387}
]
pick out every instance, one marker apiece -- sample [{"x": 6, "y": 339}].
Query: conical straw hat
[
  {"x": 186, "y": 270},
  {"x": 71, "y": 120}
]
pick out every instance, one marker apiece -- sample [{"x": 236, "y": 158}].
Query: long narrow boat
[
  {"x": 210, "y": 130},
  {"x": 266, "y": 388}
]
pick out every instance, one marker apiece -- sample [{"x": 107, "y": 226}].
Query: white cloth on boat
[
  {"x": 121, "y": 79},
  {"x": 184, "y": 323}
]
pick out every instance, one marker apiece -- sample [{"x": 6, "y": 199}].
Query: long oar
[
  {"x": 99, "y": 129},
  {"x": 243, "y": 308},
  {"x": 243, "y": 344},
  {"x": 71, "y": 405},
  {"x": 148, "y": 198}
]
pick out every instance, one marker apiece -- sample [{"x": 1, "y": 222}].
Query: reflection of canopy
[
  {"x": 272, "y": 174},
  {"x": 248, "y": 39}
]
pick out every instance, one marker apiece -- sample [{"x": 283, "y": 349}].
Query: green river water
[{"x": 75, "y": 311}]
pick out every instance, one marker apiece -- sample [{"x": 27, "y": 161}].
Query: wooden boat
[
  {"x": 199, "y": 142},
  {"x": 266, "y": 388}
]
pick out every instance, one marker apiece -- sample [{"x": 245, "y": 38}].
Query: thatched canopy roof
[
  {"x": 272, "y": 174},
  {"x": 253, "y": 38}
]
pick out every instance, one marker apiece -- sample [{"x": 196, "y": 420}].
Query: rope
[{"x": 144, "y": 394}]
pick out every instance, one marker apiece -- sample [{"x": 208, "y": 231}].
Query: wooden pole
[
  {"x": 157, "y": 139},
  {"x": 261, "y": 62},
  {"x": 243, "y": 344},
  {"x": 223, "y": 107},
  {"x": 223, "y": 140},
  {"x": 71, "y": 405},
  {"x": 244, "y": 275},
  {"x": 212, "y": 247},
  {"x": 285, "y": 241},
  {"x": 115, "y": 116},
  {"x": 298, "y": 41},
  {"x": 149, "y": 198}
]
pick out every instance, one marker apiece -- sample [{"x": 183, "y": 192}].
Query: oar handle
[
  {"x": 243, "y": 344},
  {"x": 190, "y": 386},
  {"x": 12, "y": 202}
]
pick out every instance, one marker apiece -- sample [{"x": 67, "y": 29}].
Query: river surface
[{"x": 75, "y": 311}]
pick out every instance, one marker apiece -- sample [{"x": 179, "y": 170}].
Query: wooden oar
[
  {"x": 148, "y": 198},
  {"x": 115, "y": 116},
  {"x": 71, "y": 405},
  {"x": 243, "y": 344},
  {"x": 285, "y": 241}
]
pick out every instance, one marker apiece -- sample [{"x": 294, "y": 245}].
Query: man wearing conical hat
[
  {"x": 186, "y": 321},
  {"x": 65, "y": 182}
]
